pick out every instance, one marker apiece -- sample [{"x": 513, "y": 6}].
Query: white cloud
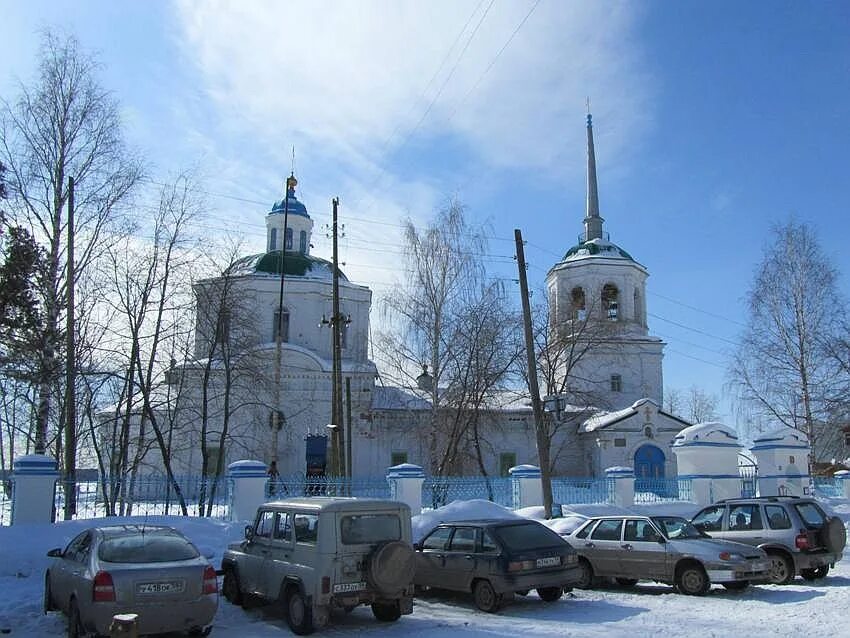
[{"x": 348, "y": 75}]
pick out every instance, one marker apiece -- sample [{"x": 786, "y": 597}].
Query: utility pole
[
  {"x": 542, "y": 437},
  {"x": 277, "y": 417},
  {"x": 337, "y": 436},
  {"x": 349, "y": 461},
  {"x": 70, "y": 376}
]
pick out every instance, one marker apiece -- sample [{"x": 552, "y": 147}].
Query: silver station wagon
[{"x": 666, "y": 549}]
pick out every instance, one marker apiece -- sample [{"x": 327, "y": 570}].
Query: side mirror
[
  {"x": 55, "y": 553},
  {"x": 417, "y": 547},
  {"x": 249, "y": 532},
  {"x": 662, "y": 540}
]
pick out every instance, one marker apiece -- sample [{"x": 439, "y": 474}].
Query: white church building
[{"x": 596, "y": 285}]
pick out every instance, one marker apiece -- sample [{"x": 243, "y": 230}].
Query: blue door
[{"x": 649, "y": 462}]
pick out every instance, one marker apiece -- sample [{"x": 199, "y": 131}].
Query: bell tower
[{"x": 597, "y": 316}]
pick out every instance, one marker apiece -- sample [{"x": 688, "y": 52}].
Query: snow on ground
[{"x": 647, "y": 610}]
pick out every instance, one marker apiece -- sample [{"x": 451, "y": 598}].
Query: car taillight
[
  {"x": 520, "y": 565},
  {"x": 210, "y": 580},
  {"x": 326, "y": 585},
  {"x": 103, "y": 590},
  {"x": 802, "y": 541}
]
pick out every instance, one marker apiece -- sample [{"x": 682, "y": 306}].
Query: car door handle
[
  {"x": 589, "y": 545},
  {"x": 627, "y": 546},
  {"x": 468, "y": 557}
]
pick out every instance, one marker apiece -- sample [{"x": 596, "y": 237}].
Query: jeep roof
[{"x": 337, "y": 504}]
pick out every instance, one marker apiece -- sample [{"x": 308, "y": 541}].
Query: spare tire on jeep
[
  {"x": 834, "y": 535},
  {"x": 390, "y": 568}
]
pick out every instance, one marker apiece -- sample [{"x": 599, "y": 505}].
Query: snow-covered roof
[
  {"x": 711, "y": 433},
  {"x": 395, "y": 398},
  {"x": 781, "y": 437},
  {"x": 604, "y": 419}
]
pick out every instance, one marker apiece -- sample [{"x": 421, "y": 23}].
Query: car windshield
[
  {"x": 155, "y": 547},
  {"x": 527, "y": 536},
  {"x": 675, "y": 527},
  {"x": 370, "y": 528}
]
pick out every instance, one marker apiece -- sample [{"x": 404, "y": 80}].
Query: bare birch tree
[
  {"x": 63, "y": 125},
  {"x": 781, "y": 370}
]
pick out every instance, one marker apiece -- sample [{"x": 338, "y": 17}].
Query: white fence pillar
[
  {"x": 406, "y": 485},
  {"x": 621, "y": 491},
  {"x": 702, "y": 491},
  {"x": 528, "y": 487},
  {"x": 843, "y": 477},
  {"x": 34, "y": 479},
  {"x": 249, "y": 488}
]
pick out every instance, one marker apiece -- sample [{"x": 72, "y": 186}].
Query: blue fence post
[
  {"x": 34, "y": 485},
  {"x": 406, "y": 485},
  {"x": 621, "y": 486},
  {"x": 249, "y": 488},
  {"x": 528, "y": 487}
]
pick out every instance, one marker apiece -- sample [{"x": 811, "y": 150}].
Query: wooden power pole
[
  {"x": 337, "y": 435},
  {"x": 542, "y": 436}
]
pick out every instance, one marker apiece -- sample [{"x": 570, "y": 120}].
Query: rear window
[
  {"x": 527, "y": 536},
  {"x": 370, "y": 528},
  {"x": 146, "y": 548},
  {"x": 812, "y": 515}
]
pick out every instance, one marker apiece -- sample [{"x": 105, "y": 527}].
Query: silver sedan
[
  {"x": 667, "y": 549},
  {"x": 153, "y": 572}
]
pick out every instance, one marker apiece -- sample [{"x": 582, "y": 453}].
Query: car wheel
[
  {"x": 739, "y": 585},
  {"x": 486, "y": 598},
  {"x": 585, "y": 575},
  {"x": 550, "y": 594},
  {"x": 692, "y": 580},
  {"x": 230, "y": 587},
  {"x": 75, "y": 623},
  {"x": 299, "y": 616},
  {"x": 781, "y": 569},
  {"x": 626, "y": 582},
  {"x": 387, "y": 612},
  {"x": 815, "y": 573}
]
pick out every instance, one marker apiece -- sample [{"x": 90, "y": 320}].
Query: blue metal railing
[
  {"x": 660, "y": 490},
  {"x": 442, "y": 490},
  {"x": 828, "y": 486},
  {"x": 570, "y": 490},
  {"x": 299, "y": 485}
]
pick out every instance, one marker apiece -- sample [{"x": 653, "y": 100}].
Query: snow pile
[{"x": 458, "y": 511}]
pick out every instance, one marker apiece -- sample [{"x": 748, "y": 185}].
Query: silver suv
[
  {"x": 796, "y": 533},
  {"x": 312, "y": 555}
]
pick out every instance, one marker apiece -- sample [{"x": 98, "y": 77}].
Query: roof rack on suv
[{"x": 775, "y": 498}]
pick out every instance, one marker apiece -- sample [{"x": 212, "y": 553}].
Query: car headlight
[{"x": 731, "y": 556}]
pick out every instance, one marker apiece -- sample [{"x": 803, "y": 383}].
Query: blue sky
[{"x": 713, "y": 121}]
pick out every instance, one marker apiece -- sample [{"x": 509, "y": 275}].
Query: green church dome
[{"x": 295, "y": 264}]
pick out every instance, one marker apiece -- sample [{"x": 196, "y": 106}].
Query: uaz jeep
[{"x": 311, "y": 555}]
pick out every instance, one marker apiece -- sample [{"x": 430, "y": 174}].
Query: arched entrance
[{"x": 649, "y": 462}]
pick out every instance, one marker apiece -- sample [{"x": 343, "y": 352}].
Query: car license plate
[
  {"x": 164, "y": 587},
  {"x": 343, "y": 588},
  {"x": 549, "y": 562}
]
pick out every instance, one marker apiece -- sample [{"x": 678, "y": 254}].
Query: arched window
[
  {"x": 577, "y": 304},
  {"x": 287, "y": 243},
  {"x": 282, "y": 323},
  {"x": 273, "y": 239},
  {"x": 302, "y": 248},
  {"x": 610, "y": 302}
]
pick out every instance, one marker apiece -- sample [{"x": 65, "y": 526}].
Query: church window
[
  {"x": 287, "y": 239},
  {"x": 616, "y": 383},
  {"x": 638, "y": 309},
  {"x": 619, "y": 442},
  {"x": 847, "y": 438},
  {"x": 578, "y": 305},
  {"x": 397, "y": 458},
  {"x": 610, "y": 303},
  {"x": 507, "y": 460},
  {"x": 302, "y": 247},
  {"x": 222, "y": 329},
  {"x": 281, "y": 322},
  {"x": 273, "y": 239}
]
